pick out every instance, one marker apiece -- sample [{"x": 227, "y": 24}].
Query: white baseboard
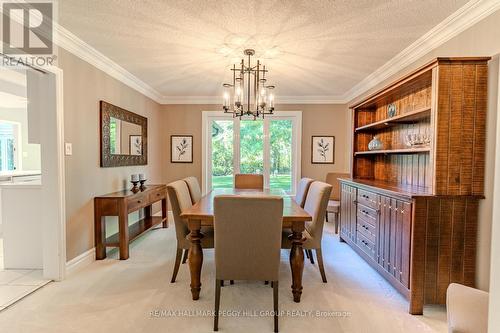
[{"x": 80, "y": 261}]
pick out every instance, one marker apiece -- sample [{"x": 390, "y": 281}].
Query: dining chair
[
  {"x": 180, "y": 200},
  {"x": 247, "y": 242},
  {"x": 316, "y": 202},
  {"x": 249, "y": 181},
  {"x": 194, "y": 188},
  {"x": 302, "y": 188},
  {"x": 466, "y": 309},
  {"x": 334, "y": 202}
]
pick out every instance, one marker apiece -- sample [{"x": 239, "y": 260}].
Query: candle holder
[
  {"x": 135, "y": 189},
  {"x": 142, "y": 187}
]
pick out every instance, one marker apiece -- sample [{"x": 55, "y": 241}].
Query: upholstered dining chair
[
  {"x": 316, "y": 202},
  {"x": 466, "y": 309},
  {"x": 302, "y": 188},
  {"x": 247, "y": 242},
  {"x": 334, "y": 202},
  {"x": 249, "y": 181},
  {"x": 194, "y": 189},
  {"x": 180, "y": 200}
]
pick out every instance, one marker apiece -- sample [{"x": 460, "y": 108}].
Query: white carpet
[{"x": 136, "y": 296}]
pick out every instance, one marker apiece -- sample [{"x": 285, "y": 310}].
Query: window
[
  {"x": 270, "y": 147},
  {"x": 9, "y": 133}
]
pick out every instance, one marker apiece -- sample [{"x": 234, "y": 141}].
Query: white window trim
[{"x": 208, "y": 116}]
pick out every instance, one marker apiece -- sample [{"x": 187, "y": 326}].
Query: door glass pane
[
  {"x": 281, "y": 154},
  {"x": 222, "y": 154},
  {"x": 251, "y": 146}
]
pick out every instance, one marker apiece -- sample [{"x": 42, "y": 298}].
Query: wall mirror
[{"x": 123, "y": 137}]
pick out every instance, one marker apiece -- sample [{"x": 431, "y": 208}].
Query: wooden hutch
[{"x": 411, "y": 211}]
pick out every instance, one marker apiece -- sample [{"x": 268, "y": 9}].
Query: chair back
[
  {"x": 302, "y": 188},
  {"x": 249, "y": 181},
  {"x": 247, "y": 237},
  {"x": 180, "y": 200},
  {"x": 332, "y": 179},
  {"x": 194, "y": 189},
  {"x": 316, "y": 203}
]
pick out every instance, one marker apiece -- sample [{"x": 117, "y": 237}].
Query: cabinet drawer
[
  {"x": 157, "y": 195},
  {"x": 367, "y": 230},
  {"x": 367, "y": 198},
  {"x": 368, "y": 214},
  {"x": 137, "y": 202},
  {"x": 365, "y": 244}
]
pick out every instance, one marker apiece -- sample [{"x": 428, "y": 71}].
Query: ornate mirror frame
[{"x": 108, "y": 160}]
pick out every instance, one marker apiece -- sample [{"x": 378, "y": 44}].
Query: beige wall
[
  {"x": 316, "y": 120},
  {"x": 84, "y": 87},
  {"x": 483, "y": 39}
]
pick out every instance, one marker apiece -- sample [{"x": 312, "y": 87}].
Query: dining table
[{"x": 201, "y": 214}]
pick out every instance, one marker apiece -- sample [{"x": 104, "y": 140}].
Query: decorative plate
[{"x": 391, "y": 110}]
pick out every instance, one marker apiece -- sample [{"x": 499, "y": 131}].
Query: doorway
[{"x": 32, "y": 223}]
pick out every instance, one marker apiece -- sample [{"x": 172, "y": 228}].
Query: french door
[{"x": 270, "y": 147}]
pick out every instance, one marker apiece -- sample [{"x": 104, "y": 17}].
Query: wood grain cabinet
[{"x": 411, "y": 211}]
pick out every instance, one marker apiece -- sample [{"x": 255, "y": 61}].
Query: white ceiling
[{"x": 312, "y": 48}]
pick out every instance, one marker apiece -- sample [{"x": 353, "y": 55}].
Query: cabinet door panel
[
  {"x": 405, "y": 244},
  {"x": 392, "y": 238}
]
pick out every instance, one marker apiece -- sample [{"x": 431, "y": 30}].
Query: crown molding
[
  {"x": 67, "y": 40},
  {"x": 468, "y": 15},
  {"x": 282, "y": 100}
]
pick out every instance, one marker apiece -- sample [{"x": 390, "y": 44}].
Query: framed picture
[
  {"x": 181, "y": 149},
  {"x": 135, "y": 145},
  {"x": 323, "y": 150}
]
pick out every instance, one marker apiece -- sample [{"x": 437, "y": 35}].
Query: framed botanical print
[
  {"x": 323, "y": 150},
  {"x": 135, "y": 145},
  {"x": 181, "y": 148}
]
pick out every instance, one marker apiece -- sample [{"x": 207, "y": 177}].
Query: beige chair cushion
[
  {"x": 180, "y": 200},
  {"x": 302, "y": 188},
  {"x": 333, "y": 206},
  {"x": 247, "y": 237},
  {"x": 467, "y": 309},
  {"x": 249, "y": 181},
  {"x": 194, "y": 189},
  {"x": 332, "y": 179},
  {"x": 316, "y": 203}
]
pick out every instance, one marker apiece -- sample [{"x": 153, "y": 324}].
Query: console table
[{"x": 121, "y": 204}]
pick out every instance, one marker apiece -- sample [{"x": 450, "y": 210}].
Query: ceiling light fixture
[{"x": 248, "y": 95}]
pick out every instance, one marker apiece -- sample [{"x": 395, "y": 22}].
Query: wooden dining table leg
[
  {"x": 297, "y": 259},
  {"x": 195, "y": 257}
]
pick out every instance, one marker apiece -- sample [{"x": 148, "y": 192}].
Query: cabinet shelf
[
  {"x": 394, "y": 151},
  {"x": 408, "y": 117}
]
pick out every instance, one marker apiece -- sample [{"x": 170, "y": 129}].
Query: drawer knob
[{"x": 139, "y": 201}]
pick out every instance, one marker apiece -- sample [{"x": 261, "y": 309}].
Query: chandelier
[{"x": 248, "y": 95}]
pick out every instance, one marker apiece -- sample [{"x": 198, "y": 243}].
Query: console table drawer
[
  {"x": 137, "y": 202},
  {"x": 157, "y": 195}
]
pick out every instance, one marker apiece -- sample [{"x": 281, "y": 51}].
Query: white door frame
[
  {"x": 208, "y": 116},
  {"x": 53, "y": 183}
]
